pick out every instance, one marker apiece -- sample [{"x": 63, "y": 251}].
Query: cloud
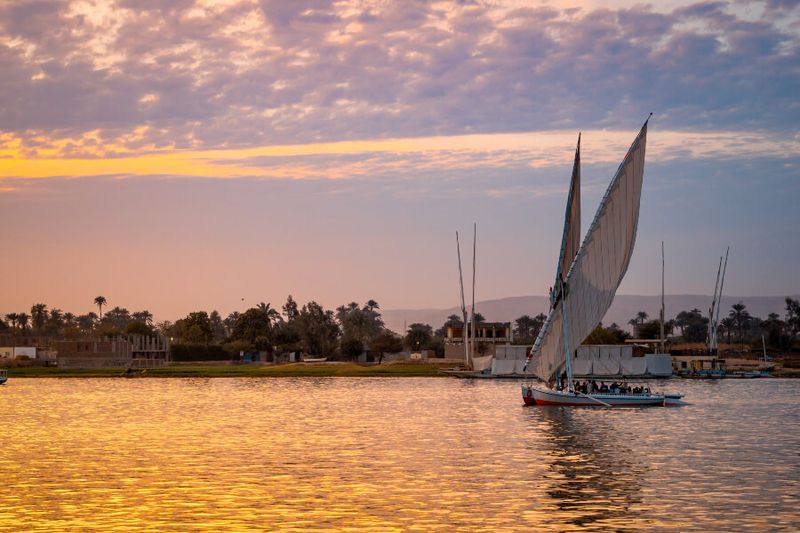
[
  {"x": 422, "y": 158},
  {"x": 206, "y": 75}
]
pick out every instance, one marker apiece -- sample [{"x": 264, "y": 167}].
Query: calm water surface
[{"x": 391, "y": 454}]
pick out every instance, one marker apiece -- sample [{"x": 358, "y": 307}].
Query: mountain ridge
[{"x": 624, "y": 308}]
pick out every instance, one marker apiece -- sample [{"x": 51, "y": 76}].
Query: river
[{"x": 386, "y": 454}]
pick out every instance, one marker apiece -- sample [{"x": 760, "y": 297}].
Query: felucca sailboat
[{"x": 587, "y": 278}]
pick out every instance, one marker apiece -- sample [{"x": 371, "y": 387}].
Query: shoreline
[{"x": 246, "y": 370}]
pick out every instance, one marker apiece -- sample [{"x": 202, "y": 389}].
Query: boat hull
[{"x": 541, "y": 396}]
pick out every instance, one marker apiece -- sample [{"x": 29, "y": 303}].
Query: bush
[{"x": 198, "y": 352}]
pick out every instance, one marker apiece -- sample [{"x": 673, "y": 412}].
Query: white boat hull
[{"x": 542, "y": 396}]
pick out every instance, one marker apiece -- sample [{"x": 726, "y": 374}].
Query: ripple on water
[{"x": 388, "y": 454}]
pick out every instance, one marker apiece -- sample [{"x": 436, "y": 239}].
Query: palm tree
[
  {"x": 100, "y": 301},
  {"x": 13, "y": 317},
  {"x": 38, "y": 316},
  {"x": 372, "y": 305},
  {"x": 741, "y": 317},
  {"x": 642, "y": 317},
  {"x": 22, "y": 319},
  {"x": 145, "y": 317}
]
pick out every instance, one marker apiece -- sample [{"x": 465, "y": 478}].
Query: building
[
  {"x": 694, "y": 363},
  {"x": 136, "y": 351},
  {"x": 488, "y": 336},
  {"x": 114, "y": 353}
]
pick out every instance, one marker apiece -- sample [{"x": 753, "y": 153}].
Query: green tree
[
  {"x": 143, "y": 316},
  {"x": 360, "y": 323},
  {"x": 352, "y": 347},
  {"x": 317, "y": 329},
  {"x": 100, "y": 301},
  {"x": 290, "y": 309},
  {"x": 252, "y": 324},
  {"x": 139, "y": 328},
  {"x": 13, "y": 318},
  {"x": 22, "y": 320},
  {"x": 385, "y": 342},
  {"x": 38, "y": 316},
  {"x": 195, "y": 328},
  {"x": 418, "y": 336},
  {"x": 792, "y": 317},
  {"x": 217, "y": 326},
  {"x": 741, "y": 318}
]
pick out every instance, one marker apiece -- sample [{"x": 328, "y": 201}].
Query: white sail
[
  {"x": 598, "y": 267},
  {"x": 571, "y": 238}
]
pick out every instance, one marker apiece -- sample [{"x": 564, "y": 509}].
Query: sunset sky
[{"x": 188, "y": 154}]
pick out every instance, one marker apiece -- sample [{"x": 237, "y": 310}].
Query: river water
[{"x": 385, "y": 454}]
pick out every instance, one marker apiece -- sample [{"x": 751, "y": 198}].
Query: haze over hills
[{"x": 624, "y": 308}]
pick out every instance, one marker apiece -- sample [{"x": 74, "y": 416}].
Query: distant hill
[{"x": 622, "y": 310}]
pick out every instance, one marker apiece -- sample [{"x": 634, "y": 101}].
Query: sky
[{"x": 194, "y": 155}]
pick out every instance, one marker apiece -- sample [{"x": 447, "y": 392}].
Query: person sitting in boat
[
  {"x": 593, "y": 386},
  {"x": 603, "y": 386},
  {"x": 615, "y": 388}
]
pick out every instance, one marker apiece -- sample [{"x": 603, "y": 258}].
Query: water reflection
[
  {"x": 592, "y": 476},
  {"x": 389, "y": 454}
]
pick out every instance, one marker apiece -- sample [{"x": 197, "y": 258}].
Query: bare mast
[
  {"x": 719, "y": 302},
  {"x": 463, "y": 304},
  {"x": 474, "y": 249},
  {"x": 712, "y": 309},
  {"x": 661, "y": 337}
]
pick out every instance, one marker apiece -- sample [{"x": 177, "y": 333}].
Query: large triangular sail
[
  {"x": 597, "y": 269},
  {"x": 571, "y": 238}
]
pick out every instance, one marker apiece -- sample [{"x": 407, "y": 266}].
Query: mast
[
  {"x": 474, "y": 249},
  {"x": 661, "y": 337},
  {"x": 463, "y": 306},
  {"x": 711, "y": 310},
  {"x": 719, "y": 303}
]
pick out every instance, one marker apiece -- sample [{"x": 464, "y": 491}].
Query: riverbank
[{"x": 187, "y": 370}]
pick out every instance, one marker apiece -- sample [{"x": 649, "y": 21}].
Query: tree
[
  {"x": 22, "y": 320},
  {"x": 453, "y": 321},
  {"x": 139, "y": 328},
  {"x": 217, "y": 326},
  {"x": 14, "y": 319},
  {"x": 479, "y": 318},
  {"x": 100, "y": 301},
  {"x": 252, "y": 324},
  {"x": 792, "y": 317},
  {"x": 195, "y": 328},
  {"x": 317, "y": 329},
  {"x": 86, "y": 322},
  {"x": 728, "y": 325},
  {"x": 360, "y": 323},
  {"x": 118, "y": 317},
  {"x": 290, "y": 309},
  {"x": 418, "y": 336},
  {"x": 38, "y": 316},
  {"x": 230, "y": 321},
  {"x": 741, "y": 318},
  {"x": 610, "y": 335},
  {"x": 55, "y": 322},
  {"x": 143, "y": 316},
  {"x": 352, "y": 347},
  {"x": 386, "y": 342}
]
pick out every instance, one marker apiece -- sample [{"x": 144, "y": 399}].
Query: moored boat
[{"x": 3, "y": 376}]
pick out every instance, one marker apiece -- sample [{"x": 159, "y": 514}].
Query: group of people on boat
[{"x": 589, "y": 387}]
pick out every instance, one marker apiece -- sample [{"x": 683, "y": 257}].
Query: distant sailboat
[{"x": 587, "y": 278}]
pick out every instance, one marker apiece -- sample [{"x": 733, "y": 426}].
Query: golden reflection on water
[{"x": 389, "y": 454}]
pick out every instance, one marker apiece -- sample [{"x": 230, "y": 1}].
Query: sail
[
  {"x": 571, "y": 239},
  {"x": 598, "y": 267}
]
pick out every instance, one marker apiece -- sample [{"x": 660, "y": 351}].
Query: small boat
[
  {"x": 3, "y": 376},
  {"x": 532, "y": 395},
  {"x": 588, "y": 274},
  {"x": 314, "y": 359}
]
